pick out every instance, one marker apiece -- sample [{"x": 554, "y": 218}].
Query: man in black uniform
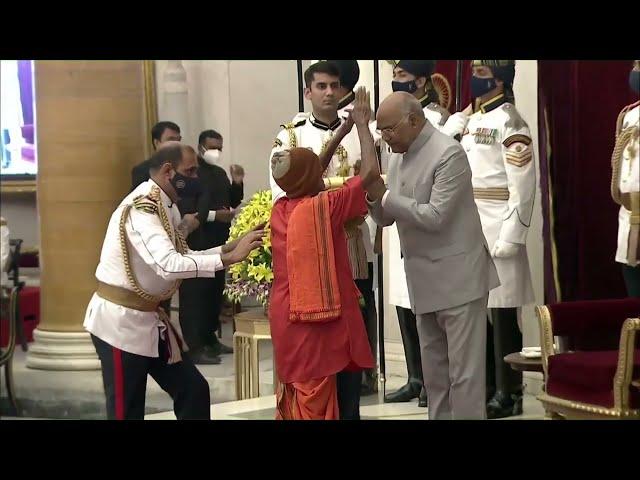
[{"x": 201, "y": 298}]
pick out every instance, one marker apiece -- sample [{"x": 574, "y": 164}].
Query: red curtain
[
  {"x": 582, "y": 100},
  {"x": 447, "y": 68}
]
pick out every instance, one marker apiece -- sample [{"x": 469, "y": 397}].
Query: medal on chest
[{"x": 485, "y": 136}]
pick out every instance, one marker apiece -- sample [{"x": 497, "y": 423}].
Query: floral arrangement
[{"x": 253, "y": 276}]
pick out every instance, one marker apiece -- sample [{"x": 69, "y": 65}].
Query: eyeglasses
[{"x": 391, "y": 130}]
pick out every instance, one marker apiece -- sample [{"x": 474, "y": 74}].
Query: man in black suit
[
  {"x": 201, "y": 298},
  {"x": 160, "y": 133}
]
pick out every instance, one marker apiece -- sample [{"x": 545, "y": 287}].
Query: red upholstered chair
[{"x": 596, "y": 372}]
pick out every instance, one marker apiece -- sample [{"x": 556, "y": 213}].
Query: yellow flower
[{"x": 256, "y": 268}]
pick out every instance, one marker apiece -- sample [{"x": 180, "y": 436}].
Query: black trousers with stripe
[{"x": 124, "y": 376}]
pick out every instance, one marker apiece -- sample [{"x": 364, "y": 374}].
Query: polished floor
[{"x": 372, "y": 408}]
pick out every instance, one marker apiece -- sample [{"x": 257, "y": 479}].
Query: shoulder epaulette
[
  {"x": 146, "y": 204},
  {"x": 515, "y": 121},
  {"x": 444, "y": 113},
  {"x": 289, "y": 127},
  {"x": 621, "y": 116}
]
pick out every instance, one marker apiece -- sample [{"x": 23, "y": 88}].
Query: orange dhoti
[{"x": 315, "y": 399}]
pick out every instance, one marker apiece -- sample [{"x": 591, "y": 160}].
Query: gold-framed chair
[{"x": 591, "y": 371}]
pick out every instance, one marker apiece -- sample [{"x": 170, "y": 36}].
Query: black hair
[
  {"x": 320, "y": 67},
  {"x": 159, "y": 128},
  {"x": 208, "y": 134}
]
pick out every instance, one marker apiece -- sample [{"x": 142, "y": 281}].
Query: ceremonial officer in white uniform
[
  {"x": 144, "y": 258},
  {"x": 625, "y": 187},
  {"x": 414, "y": 77},
  {"x": 314, "y": 130},
  {"x": 498, "y": 144}
]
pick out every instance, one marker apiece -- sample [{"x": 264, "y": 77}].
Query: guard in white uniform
[
  {"x": 144, "y": 258},
  {"x": 625, "y": 187},
  {"x": 415, "y": 77},
  {"x": 500, "y": 151}
]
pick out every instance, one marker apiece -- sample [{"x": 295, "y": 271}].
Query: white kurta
[
  {"x": 629, "y": 182},
  {"x": 511, "y": 167}
]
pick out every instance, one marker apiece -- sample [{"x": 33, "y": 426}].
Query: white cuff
[
  {"x": 212, "y": 216},
  {"x": 384, "y": 197}
]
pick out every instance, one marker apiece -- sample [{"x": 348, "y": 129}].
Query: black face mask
[
  {"x": 186, "y": 187},
  {"x": 408, "y": 87},
  {"x": 481, "y": 86},
  {"x": 634, "y": 80}
]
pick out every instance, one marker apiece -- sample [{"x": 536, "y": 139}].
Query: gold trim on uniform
[
  {"x": 623, "y": 138},
  {"x": 622, "y": 114},
  {"x": 344, "y": 168},
  {"x": 496, "y": 193},
  {"x": 125, "y": 298},
  {"x": 516, "y": 138},
  {"x": 491, "y": 104},
  {"x": 145, "y": 204},
  {"x": 290, "y": 128},
  {"x": 518, "y": 155},
  {"x": 355, "y": 248},
  {"x": 151, "y": 203}
]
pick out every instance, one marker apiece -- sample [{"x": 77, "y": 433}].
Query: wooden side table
[
  {"x": 251, "y": 327},
  {"x": 523, "y": 364}
]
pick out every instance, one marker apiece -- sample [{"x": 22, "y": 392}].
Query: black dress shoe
[
  {"x": 369, "y": 384},
  {"x": 503, "y": 405},
  {"x": 406, "y": 393},
  {"x": 517, "y": 406},
  {"x": 422, "y": 399},
  {"x": 204, "y": 357},
  {"x": 219, "y": 348}
]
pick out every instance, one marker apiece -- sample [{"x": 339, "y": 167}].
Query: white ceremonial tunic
[
  {"x": 306, "y": 131},
  {"x": 156, "y": 265},
  {"x": 500, "y": 152},
  {"x": 629, "y": 182}
]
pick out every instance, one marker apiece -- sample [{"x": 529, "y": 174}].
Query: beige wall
[{"x": 245, "y": 101}]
